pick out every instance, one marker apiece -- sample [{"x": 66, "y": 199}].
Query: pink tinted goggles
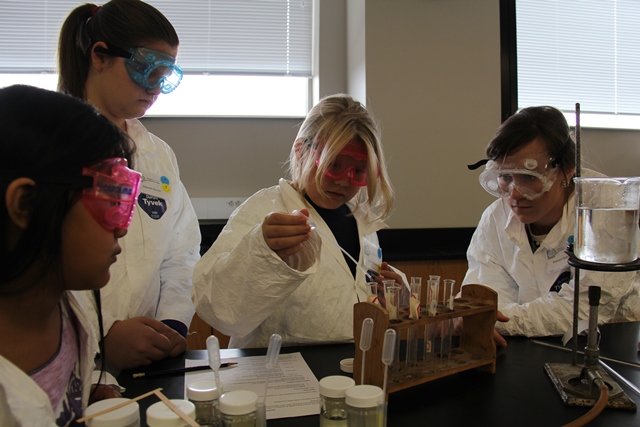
[
  {"x": 350, "y": 163},
  {"x": 112, "y": 198}
]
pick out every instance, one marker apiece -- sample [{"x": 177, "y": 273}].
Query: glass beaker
[{"x": 607, "y": 219}]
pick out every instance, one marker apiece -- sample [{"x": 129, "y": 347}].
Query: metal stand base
[{"x": 567, "y": 379}]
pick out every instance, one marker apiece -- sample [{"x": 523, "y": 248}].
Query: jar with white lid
[
  {"x": 365, "y": 405},
  {"x": 160, "y": 415},
  {"x": 127, "y": 416},
  {"x": 238, "y": 408},
  {"x": 204, "y": 394},
  {"x": 333, "y": 408}
]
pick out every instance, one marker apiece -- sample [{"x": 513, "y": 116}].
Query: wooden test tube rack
[{"x": 477, "y": 349}]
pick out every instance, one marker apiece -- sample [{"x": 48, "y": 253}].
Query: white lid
[
  {"x": 346, "y": 365},
  {"x": 160, "y": 415},
  {"x": 364, "y": 396},
  {"x": 203, "y": 390},
  {"x": 335, "y": 385},
  {"x": 120, "y": 417},
  {"x": 238, "y": 402}
]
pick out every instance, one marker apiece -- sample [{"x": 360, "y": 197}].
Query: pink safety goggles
[
  {"x": 350, "y": 163},
  {"x": 112, "y": 198}
]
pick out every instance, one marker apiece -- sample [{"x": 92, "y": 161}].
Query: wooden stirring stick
[
  {"x": 118, "y": 406},
  {"x": 175, "y": 409}
]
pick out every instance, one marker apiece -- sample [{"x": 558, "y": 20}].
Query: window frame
[{"x": 509, "y": 80}]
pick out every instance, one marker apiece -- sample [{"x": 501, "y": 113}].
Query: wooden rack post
[{"x": 477, "y": 349}]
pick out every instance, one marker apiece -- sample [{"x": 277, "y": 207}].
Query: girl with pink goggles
[
  {"x": 111, "y": 199},
  {"x": 350, "y": 163}
]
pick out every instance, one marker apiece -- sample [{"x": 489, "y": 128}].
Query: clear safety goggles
[
  {"x": 148, "y": 68},
  {"x": 112, "y": 198},
  {"x": 531, "y": 176},
  {"x": 350, "y": 163}
]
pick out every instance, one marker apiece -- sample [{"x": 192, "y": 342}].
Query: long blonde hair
[{"x": 330, "y": 125}]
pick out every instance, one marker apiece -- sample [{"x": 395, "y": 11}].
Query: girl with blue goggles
[{"x": 148, "y": 68}]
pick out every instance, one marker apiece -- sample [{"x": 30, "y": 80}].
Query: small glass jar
[
  {"x": 238, "y": 408},
  {"x": 127, "y": 416},
  {"x": 365, "y": 406},
  {"x": 333, "y": 408},
  {"x": 160, "y": 415},
  {"x": 204, "y": 394}
]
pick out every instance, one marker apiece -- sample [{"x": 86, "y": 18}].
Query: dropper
[
  {"x": 388, "y": 347},
  {"x": 313, "y": 227},
  {"x": 271, "y": 361},
  {"x": 365, "y": 341},
  {"x": 213, "y": 351}
]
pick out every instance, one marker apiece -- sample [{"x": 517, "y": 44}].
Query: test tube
[
  {"x": 431, "y": 328},
  {"x": 446, "y": 332},
  {"x": 392, "y": 296},
  {"x": 414, "y": 313},
  {"x": 372, "y": 293},
  {"x": 448, "y": 294}
]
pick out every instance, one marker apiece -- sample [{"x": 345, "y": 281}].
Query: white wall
[{"x": 431, "y": 73}]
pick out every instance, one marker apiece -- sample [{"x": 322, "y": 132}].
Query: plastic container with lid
[
  {"x": 160, "y": 415},
  {"x": 333, "y": 408},
  {"x": 127, "y": 416},
  {"x": 204, "y": 395},
  {"x": 238, "y": 408},
  {"x": 365, "y": 406}
]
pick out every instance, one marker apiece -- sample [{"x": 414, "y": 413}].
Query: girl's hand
[
  {"x": 102, "y": 391},
  {"x": 387, "y": 274},
  {"x": 284, "y": 233}
]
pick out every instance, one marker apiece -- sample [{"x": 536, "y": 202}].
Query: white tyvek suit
[
  {"x": 500, "y": 257},
  {"x": 242, "y": 288},
  {"x": 23, "y": 402},
  {"x": 153, "y": 274}
]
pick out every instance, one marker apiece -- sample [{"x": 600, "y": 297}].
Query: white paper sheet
[{"x": 293, "y": 388}]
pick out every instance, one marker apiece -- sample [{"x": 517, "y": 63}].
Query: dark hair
[
  {"x": 544, "y": 122},
  {"x": 47, "y": 134},
  {"x": 118, "y": 23}
]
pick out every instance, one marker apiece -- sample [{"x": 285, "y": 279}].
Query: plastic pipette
[
  {"x": 313, "y": 227},
  {"x": 213, "y": 351},
  {"x": 388, "y": 347},
  {"x": 365, "y": 341},
  {"x": 271, "y": 361}
]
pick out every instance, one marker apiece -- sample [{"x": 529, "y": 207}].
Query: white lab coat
[
  {"x": 153, "y": 274},
  {"x": 243, "y": 289},
  {"x": 23, "y": 402},
  {"x": 500, "y": 257}
]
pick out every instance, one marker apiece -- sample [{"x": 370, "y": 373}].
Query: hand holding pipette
[
  {"x": 271, "y": 361},
  {"x": 213, "y": 352},
  {"x": 330, "y": 239},
  {"x": 365, "y": 341},
  {"x": 286, "y": 233}
]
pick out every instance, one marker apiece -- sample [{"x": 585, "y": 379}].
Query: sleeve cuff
[{"x": 178, "y": 326}]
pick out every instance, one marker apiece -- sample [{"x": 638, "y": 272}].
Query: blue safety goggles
[{"x": 148, "y": 68}]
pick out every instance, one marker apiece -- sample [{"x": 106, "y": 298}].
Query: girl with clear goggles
[
  {"x": 148, "y": 68},
  {"x": 531, "y": 177}
]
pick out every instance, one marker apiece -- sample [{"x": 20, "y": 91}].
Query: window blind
[
  {"x": 253, "y": 37},
  {"x": 584, "y": 51}
]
